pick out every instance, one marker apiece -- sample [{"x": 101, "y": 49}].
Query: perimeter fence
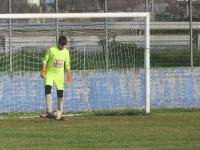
[{"x": 170, "y": 27}]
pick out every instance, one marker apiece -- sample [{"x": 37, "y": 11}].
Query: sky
[{"x": 47, "y": 1}]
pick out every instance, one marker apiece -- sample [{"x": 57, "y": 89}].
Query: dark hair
[{"x": 62, "y": 40}]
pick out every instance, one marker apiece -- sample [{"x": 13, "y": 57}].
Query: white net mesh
[{"x": 104, "y": 74}]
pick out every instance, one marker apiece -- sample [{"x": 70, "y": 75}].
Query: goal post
[{"x": 80, "y": 54}]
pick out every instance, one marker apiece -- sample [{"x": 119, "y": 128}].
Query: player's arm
[
  {"x": 68, "y": 71},
  {"x": 44, "y": 65},
  {"x": 67, "y": 67},
  {"x": 46, "y": 58},
  {"x": 69, "y": 78}
]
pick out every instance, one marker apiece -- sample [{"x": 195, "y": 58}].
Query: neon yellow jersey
[{"x": 56, "y": 59}]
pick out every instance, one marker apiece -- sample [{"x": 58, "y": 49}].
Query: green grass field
[{"x": 162, "y": 129}]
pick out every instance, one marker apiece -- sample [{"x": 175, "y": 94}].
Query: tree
[
  {"x": 23, "y": 7},
  {"x": 18, "y": 6},
  {"x": 81, "y": 5},
  {"x": 4, "y": 7},
  {"x": 174, "y": 9}
]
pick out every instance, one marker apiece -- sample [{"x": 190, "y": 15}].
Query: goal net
[{"x": 109, "y": 57}]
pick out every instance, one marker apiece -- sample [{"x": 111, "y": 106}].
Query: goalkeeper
[{"x": 53, "y": 64}]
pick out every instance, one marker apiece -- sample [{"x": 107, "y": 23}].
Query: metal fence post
[
  {"x": 152, "y": 10},
  {"x": 106, "y": 46},
  {"x": 6, "y": 50},
  {"x": 10, "y": 38},
  {"x": 56, "y": 22},
  {"x": 191, "y": 47},
  {"x": 146, "y": 6}
]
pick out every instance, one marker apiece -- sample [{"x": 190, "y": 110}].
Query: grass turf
[{"x": 162, "y": 129}]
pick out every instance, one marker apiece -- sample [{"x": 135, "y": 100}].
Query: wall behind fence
[{"x": 104, "y": 89}]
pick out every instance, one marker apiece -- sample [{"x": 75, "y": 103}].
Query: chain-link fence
[{"x": 170, "y": 22}]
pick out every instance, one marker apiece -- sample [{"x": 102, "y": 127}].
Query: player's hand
[
  {"x": 69, "y": 80},
  {"x": 43, "y": 74}
]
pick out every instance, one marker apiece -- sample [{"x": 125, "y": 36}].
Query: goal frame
[{"x": 146, "y": 15}]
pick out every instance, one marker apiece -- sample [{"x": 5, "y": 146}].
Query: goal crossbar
[
  {"x": 145, "y": 15},
  {"x": 72, "y": 15}
]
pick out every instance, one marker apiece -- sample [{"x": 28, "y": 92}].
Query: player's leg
[
  {"x": 59, "y": 82},
  {"x": 48, "y": 102},
  {"x": 48, "y": 83},
  {"x": 48, "y": 98},
  {"x": 60, "y": 103},
  {"x": 60, "y": 100}
]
